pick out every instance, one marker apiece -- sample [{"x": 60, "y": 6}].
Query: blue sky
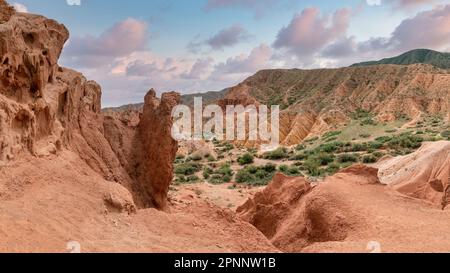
[{"x": 201, "y": 45}]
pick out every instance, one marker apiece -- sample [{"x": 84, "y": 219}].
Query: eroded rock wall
[{"x": 45, "y": 108}]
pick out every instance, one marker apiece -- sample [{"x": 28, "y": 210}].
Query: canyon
[{"x": 114, "y": 180}]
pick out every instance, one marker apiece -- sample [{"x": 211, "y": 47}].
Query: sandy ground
[{"x": 43, "y": 213}]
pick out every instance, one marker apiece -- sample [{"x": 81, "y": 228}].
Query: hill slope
[
  {"x": 320, "y": 100},
  {"x": 417, "y": 56}
]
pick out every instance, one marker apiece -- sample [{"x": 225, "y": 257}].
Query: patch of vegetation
[
  {"x": 188, "y": 168},
  {"x": 222, "y": 175},
  {"x": 257, "y": 176},
  {"x": 278, "y": 154},
  {"x": 289, "y": 170},
  {"x": 246, "y": 159},
  {"x": 348, "y": 158}
]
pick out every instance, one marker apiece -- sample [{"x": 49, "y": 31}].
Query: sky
[{"x": 194, "y": 46}]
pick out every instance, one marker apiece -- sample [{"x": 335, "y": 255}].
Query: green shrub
[
  {"x": 312, "y": 166},
  {"x": 405, "y": 141},
  {"x": 244, "y": 176},
  {"x": 246, "y": 159},
  {"x": 300, "y": 147},
  {"x": 446, "y": 134},
  {"x": 225, "y": 169},
  {"x": 207, "y": 172},
  {"x": 375, "y": 145},
  {"x": 345, "y": 158},
  {"x": 187, "y": 168},
  {"x": 283, "y": 168},
  {"x": 333, "y": 168},
  {"x": 359, "y": 147},
  {"x": 298, "y": 156},
  {"x": 360, "y": 114},
  {"x": 325, "y": 159},
  {"x": 368, "y": 121},
  {"x": 193, "y": 178},
  {"x": 277, "y": 154},
  {"x": 331, "y": 134},
  {"x": 269, "y": 168},
  {"x": 368, "y": 159},
  {"x": 256, "y": 175}
]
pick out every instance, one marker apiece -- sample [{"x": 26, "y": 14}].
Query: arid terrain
[{"x": 364, "y": 163}]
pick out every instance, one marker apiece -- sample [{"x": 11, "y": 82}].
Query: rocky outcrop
[
  {"x": 424, "y": 174},
  {"x": 345, "y": 213},
  {"x": 6, "y": 11},
  {"x": 159, "y": 149},
  {"x": 45, "y": 109}
]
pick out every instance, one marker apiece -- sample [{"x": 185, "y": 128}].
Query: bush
[
  {"x": 246, "y": 159},
  {"x": 331, "y": 134},
  {"x": 283, "y": 168},
  {"x": 407, "y": 141},
  {"x": 298, "y": 156},
  {"x": 445, "y": 134},
  {"x": 368, "y": 159},
  {"x": 277, "y": 154},
  {"x": 312, "y": 166},
  {"x": 207, "y": 172},
  {"x": 223, "y": 175},
  {"x": 244, "y": 176},
  {"x": 346, "y": 158},
  {"x": 359, "y": 147},
  {"x": 193, "y": 179},
  {"x": 187, "y": 168},
  {"x": 368, "y": 121},
  {"x": 325, "y": 159},
  {"x": 333, "y": 168},
  {"x": 269, "y": 168},
  {"x": 256, "y": 175},
  {"x": 300, "y": 147},
  {"x": 225, "y": 170}
]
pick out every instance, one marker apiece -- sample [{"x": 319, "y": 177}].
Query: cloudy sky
[{"x": 201, "y": 45}]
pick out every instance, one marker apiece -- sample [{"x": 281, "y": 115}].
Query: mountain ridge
[{"x": 416, "y": 56}]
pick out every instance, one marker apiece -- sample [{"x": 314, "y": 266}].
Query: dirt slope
[{"x": 47, "y": 203}]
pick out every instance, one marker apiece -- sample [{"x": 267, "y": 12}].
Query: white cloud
[
  {"x": 20, "y": 7},
  {"x": 73, "y": 2},
  {"x": 373, "y": 2}
]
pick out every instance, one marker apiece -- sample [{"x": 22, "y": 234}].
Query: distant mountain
[
  {"x": 208, "y": 97},
  {"x": 418, "y": 56}
]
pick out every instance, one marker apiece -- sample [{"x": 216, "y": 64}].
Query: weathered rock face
[
  {"x": 45, "y": 108},
  {"x": 159, "y": 149},
  {"x": 6, "y": 11},
  {"x": 424, "y": 174}
]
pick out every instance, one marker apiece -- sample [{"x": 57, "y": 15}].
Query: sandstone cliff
[{"x": 45, "y": 108}]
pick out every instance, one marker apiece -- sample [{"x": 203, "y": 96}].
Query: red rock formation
[
  {"x": 424, "y": 174},
  {"x": 159, "y": 149},
  {"x": 45, "y": 108},
  {"x": 344, "y": 213}
]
